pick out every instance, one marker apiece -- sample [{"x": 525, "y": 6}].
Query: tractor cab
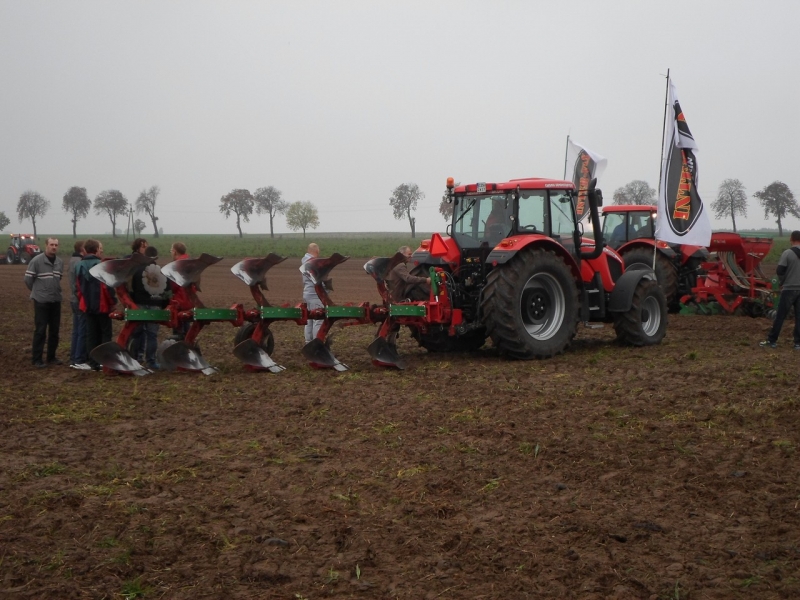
[{"x": 622, "y": 224}]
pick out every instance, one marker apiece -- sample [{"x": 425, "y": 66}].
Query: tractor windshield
[
  {"x": 482, "y": 219},
  {"x": 622, "y": 227}
]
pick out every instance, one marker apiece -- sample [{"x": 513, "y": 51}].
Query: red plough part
[
  {"x": 257, "y": 340},
  {"x": 186, "y": 306},
  {"x": 113, "y": 356}
]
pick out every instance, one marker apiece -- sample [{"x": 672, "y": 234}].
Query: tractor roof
[
  {"x": 528, "y": 183},
  {"x": 618, "y": 208}
]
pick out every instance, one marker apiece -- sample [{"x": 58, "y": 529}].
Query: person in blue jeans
[
  {"x": 148, "y": 285},
  {"x": 789, "y": 278},
  {"x": 77, "y": 348}
]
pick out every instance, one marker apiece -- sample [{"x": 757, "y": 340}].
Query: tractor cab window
[
  {"x": 562, "y": 220},
  {"x": 481, "y": 220},
  {"x": 640, "y": 225},
  {"x": 614, "y": 229},
  {"x": 533, "y": 211}
]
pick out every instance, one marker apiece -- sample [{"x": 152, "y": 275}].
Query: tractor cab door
[
  {"x": 615, "y": 229},
  {"x": 547, "y": 212}
]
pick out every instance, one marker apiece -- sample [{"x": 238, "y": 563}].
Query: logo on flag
[
  {"x": 586, "y": 165},
  {"x": 681, "y": 215}
]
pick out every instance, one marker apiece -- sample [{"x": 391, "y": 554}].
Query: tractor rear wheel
[
  {"x": 24, "y": 258},
  {"x": 530, "y": 305},
  {"x": 666, "y": 273},
  {"x": 246, "y": 332},
  {"x": 442, "y": 341},
  {"x": 11, "y": 258},
  {"x": 645, "y": 323}
]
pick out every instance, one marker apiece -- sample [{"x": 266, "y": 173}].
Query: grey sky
[{"x": 339, "y": 102}]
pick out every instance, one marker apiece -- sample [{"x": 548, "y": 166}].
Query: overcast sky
[{"x": 339, "y": 102}]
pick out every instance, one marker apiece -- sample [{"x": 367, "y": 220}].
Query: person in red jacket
[{"x": 178, "y": 251}]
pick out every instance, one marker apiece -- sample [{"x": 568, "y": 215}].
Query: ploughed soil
[{"x": 606, "y": 472}]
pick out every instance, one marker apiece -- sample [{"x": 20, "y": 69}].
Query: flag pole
[
  {"x": 566, "y": 152},
  {"x": 661, "y": 166}
]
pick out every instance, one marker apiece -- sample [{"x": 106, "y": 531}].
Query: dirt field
[{"x": 607, "y": 472}]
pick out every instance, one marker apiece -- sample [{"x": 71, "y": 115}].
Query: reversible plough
[{"x": 254, "y": 342}]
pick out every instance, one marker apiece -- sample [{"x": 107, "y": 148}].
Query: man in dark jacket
[
  {"x": 789, "y": 276},
  {"x": 405, "y": 286},
  {"x": 148, "y": 285},
  {"x": 96, "y": 300},
  {"x": 43, "y": 279}
]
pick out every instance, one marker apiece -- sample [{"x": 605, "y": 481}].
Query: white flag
[
  {"x": 585, "y": 166},
  {"x": 682, "y": 218}
]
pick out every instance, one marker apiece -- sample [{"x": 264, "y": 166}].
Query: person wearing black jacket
[
  {"x": 789, "y": 277},
  {"x": 147, "y": 286}
]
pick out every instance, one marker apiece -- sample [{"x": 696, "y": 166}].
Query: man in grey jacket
[
  {"x": 310, "y": 294},
  {"x": 43, "y": 279},
  {"x": 789, "y": 277}
]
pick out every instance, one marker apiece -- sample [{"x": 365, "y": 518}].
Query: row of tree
[
  {"x": 32, "y": 205},
  {"x": 268, "y": 200},
  {"x": 776, "y": 199}
]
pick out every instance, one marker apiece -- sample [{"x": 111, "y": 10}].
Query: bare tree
[
  {"x": 302, "y": 215},
  {"x": 32, "y": 205},
  {"x": 778, "y": 201},
  {"x": 268, "y": 200},
  {"x": 77, "y": 202},
  {"x": 635, "y": 192},
  {"x": 113, "y": 203},
  {"x": 731, "y": 200},
  {"x": 146, "y": 203},
  {"x": 4, "y": 221},
  {"x": 240, "y": 203},
  {"x": 404, "y": 200}
]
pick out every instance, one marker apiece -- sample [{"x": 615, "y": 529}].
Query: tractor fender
[
  {"x": 647, "y": 244},
  {"x": 501, "y": 255},
  {"x": 622, "y": 295}
]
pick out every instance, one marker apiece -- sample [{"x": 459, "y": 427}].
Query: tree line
[
  {"x": 776, "y": 199},
  {"x": 113, "y": 203},
  {"x": 32, "y": 205}
]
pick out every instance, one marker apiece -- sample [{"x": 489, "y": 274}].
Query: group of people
[{"x": 92, "y": 302}]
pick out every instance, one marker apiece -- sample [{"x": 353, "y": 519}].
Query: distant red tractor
[
  {"x": 21, "y": 249},
  {"x": 628, "y": 229}
]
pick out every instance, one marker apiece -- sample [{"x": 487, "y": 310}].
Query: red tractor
[
  {"x": 628, "y": 229},
  {"x": 515, "y": 268},
  {"x": 21, "y": 249}
]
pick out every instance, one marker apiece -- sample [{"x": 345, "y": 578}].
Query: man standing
[
  {"x": 77, "y": 352},
  {"x": 43, "y": 279},
  {"x": 147, "y": 285},
  {"x": 310, "y": 294},
  {"x": 178, "y": 251},
  {"x": 789, "y": 278},
  {"x": 403, "y": 285},
  {"x": 96, "y": 300}
]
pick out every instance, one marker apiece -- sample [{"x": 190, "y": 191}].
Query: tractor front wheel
[
  {"x": 645, "y": 323},
  {"x": 530, "y": 305},
  {"x": 666, "y": 274},
  {"x": 24, "y": 258},
  {"x": 11, "y": 258},
  {"x": 246, "y": 332}
]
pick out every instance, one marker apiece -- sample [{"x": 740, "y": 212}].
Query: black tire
[
  {"x": 442, "y": 341},
  {"x": 645, "y": 323},
  {"x": 530, "y": 305},
  {"x": 666, "y": 273},
  {"x": 246, "y": 332},
  {"x": 24, "y": 258},
  {"x": 11, "y": 257}
]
